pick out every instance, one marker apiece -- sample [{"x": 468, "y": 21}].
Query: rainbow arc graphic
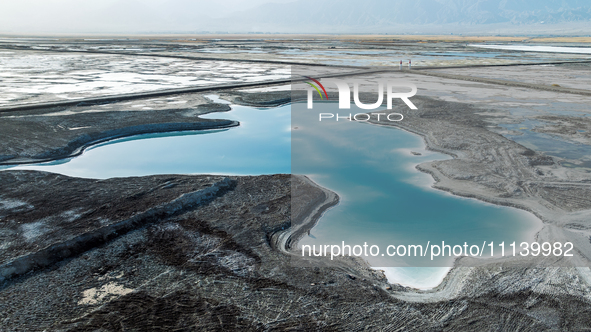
[{"x": 316, "y": 88}]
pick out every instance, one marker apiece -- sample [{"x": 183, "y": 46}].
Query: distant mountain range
[
  {"x": 305, "y": 16},
  {"x": 349, "y": 15}
]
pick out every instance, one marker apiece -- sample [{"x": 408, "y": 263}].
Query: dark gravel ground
[{"x": 211, "y": 266}]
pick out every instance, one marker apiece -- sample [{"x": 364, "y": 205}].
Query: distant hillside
[{"x": 351, "y": 14}]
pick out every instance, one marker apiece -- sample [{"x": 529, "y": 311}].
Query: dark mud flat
[
  {"x": 196, "y": 267},
  {"x": 40, "y": 230},
  {"x": 44, "y": 134},
  {"x": 213, "y": 266},
  {"x": 61, "y": 136}
]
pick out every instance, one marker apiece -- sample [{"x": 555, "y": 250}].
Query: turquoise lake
[
  {"x": 260, "y": 145},
  {"x": 384, "y": 199}
]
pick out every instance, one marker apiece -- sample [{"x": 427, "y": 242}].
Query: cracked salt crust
[{"x": 34, "y": 77}]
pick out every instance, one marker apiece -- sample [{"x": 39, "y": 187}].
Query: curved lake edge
[
  {"x": 454, "y": 279},
  {"x": 287, "y": 240},
  {"x": 77, "y": 146},
  {"x": 438, "y": 177},
  {"x": 117, "y": 126}
]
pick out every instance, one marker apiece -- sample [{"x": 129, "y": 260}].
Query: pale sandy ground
[{"x": 564, "y": 76}]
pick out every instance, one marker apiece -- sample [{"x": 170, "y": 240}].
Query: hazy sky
[
  {"x": 116, "y": 15},
  {"x": 308, "y": 16}
]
